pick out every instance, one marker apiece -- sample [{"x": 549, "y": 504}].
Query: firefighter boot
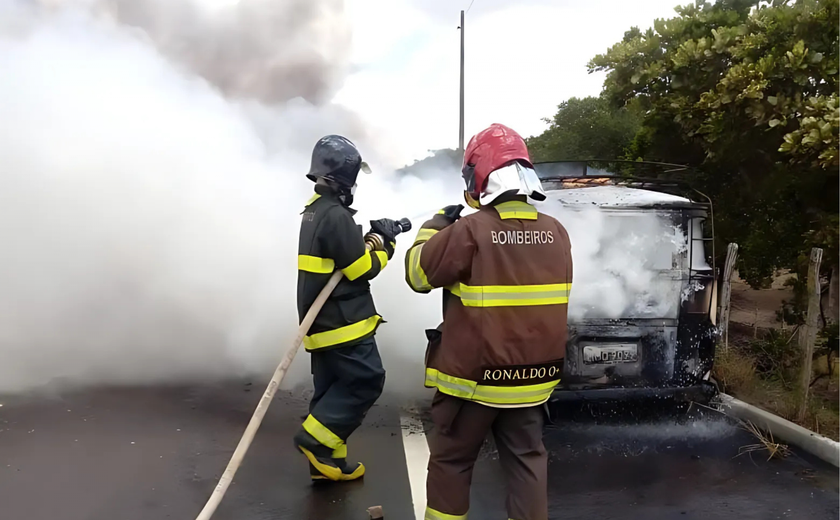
[
  {"x": 349, "y": 470},
  {"x": 327, "y": 464}
]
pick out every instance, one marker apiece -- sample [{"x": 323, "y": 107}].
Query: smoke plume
[
  {"x": 623, "y": 262},
  {"x": 149, "y": 222},
  {"x": 151, "y": 179},
  {"x": 260, "y": 49}
]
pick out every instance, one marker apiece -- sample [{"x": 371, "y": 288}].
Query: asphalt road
[{"x": 156, "y": 453}]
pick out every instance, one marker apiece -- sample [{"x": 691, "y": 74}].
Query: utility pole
[{"x": 461, "y": 128}]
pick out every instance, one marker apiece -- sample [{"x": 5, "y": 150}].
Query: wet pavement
[
  {"x": 686, "y": 470},
  {"x": 155, "y": 453}
]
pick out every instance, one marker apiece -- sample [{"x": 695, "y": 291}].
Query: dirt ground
[{"x": 751, "y": 307}]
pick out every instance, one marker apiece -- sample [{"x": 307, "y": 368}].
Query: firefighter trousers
[
  {"x": 348, "y": 381},
  {"x": 460, "y": 428}
]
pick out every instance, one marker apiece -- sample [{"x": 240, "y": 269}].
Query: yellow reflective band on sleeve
[
  {"x": 514, "y": 295},
  {"x": 416, "y": 276},
  {"x": 383, "y": 259},
  {"x": 341, "y": 335},
  {"x": 432, "y": 514},
  {"x": 314, "y": 264},
  {"x": 313, "y": 199},
  {"x": 516, "y": 210},
  {"x": 492, "y": 395},
  {"x": 359, "y": 267},
  {"x": 425, "y": 234},
  {"x": 454, "y": 289},
  {"x": 340, "y": 452},
  {"x": 321, "y": 433}
]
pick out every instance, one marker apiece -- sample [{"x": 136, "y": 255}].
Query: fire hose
[{"x": 373, "y": 242}]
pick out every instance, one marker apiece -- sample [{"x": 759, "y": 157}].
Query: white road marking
[{"x": 416, "y": 459}]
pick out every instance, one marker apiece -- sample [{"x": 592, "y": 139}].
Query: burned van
[{"x": 642, "y": 303}]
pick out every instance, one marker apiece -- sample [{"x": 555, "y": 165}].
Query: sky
[{"x": 522, "y": 59}]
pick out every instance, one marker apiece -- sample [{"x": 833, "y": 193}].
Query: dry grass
[
  {"x": 734, "y": 370},
  {"x": 766, "y": 442},
  {"x": 736, "y": 374}
]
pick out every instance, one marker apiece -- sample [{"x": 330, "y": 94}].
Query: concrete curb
[{"x": 782, "y": 429}]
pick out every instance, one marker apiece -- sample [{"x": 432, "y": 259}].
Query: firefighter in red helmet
[{"x": 506, "y": 272}]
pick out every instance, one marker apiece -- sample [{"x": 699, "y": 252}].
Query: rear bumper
[{"x": 701, "y": 393}]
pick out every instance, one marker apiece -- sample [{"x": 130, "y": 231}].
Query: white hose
[{"x": 262, "y": 407}]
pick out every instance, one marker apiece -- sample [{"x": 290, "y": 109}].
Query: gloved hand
[
  {"x": 452, "y": 213},
  {"x": 389, "y": 229}
]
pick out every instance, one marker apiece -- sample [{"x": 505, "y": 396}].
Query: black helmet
[{"x": 337, "y": 159}]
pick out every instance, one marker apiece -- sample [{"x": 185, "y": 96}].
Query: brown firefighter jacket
[{"x": 507, "y": 273}]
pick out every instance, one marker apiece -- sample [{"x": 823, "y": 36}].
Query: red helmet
[{"x": 491, "y": 149}]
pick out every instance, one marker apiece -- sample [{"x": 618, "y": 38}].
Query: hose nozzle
[{"x": 377, "y": 241}]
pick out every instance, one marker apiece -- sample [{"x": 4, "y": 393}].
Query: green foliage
[
  {"x": 815, "y": 140},
  {"x": 776, "y": 355},
  {"x": 587, "y": 128},
  {"x": 747, "y": 91},
  {"x": 828, "y": 343}
]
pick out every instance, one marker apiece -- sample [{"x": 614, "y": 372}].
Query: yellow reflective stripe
[
  {"x": 514, "y": 394},
  {"x": 466, "y": 389},
  {"x": 416, "y": 276},
  {"x": 340, "y": 452},
  {"x": 359, "y": 267},
  {"x": 425, "y": 234},
  {"x": 313, "y": 199},
  {"x": 383, "y": 259},
  {"x": 342, "y": 334},
  {"x": 432, "y": 514},
  {"x": 516, "y": 209},
  {"x": 321, "y": 433},
  {"x": 514, "y": 295},
  {"x": 455, "y": 386},
  {"x": 314, "y": 264},
  {"x": 454, "y": 289}
]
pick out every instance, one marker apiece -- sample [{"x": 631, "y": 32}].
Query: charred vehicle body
[{"x": 642, "y": 310}]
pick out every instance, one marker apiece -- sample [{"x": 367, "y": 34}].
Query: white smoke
[
  {"x": 149, "y": 208},
  {"x": 149, "y": 224},
  {"x": 260, "y": 49},
  {"x": 623, "y": 262}
]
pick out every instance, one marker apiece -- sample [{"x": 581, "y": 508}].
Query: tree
[
  {"x": 746, "y": 91},
  {"x": 587, "y": 128}
]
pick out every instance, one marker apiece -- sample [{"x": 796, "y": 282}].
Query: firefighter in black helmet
[{"x": 346, "y": 367}]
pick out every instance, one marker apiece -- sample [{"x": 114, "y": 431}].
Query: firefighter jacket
[
  {"x": 329, "y": 240},
  {"x": 507, "y": 273}
]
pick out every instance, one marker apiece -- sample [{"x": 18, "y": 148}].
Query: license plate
[{"x": 610, "y": 354}]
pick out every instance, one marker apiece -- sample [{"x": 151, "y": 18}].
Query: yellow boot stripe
[
  {"x": 357, "y": 473},
  {"x": 328, "y": 472},
  {"x": 340, "y": 452},
  {"x": 321, "y": 433}
]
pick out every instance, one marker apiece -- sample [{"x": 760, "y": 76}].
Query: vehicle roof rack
[
  {"x": 611, "y": 167},
  {"x": 647, "y": 175}
]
